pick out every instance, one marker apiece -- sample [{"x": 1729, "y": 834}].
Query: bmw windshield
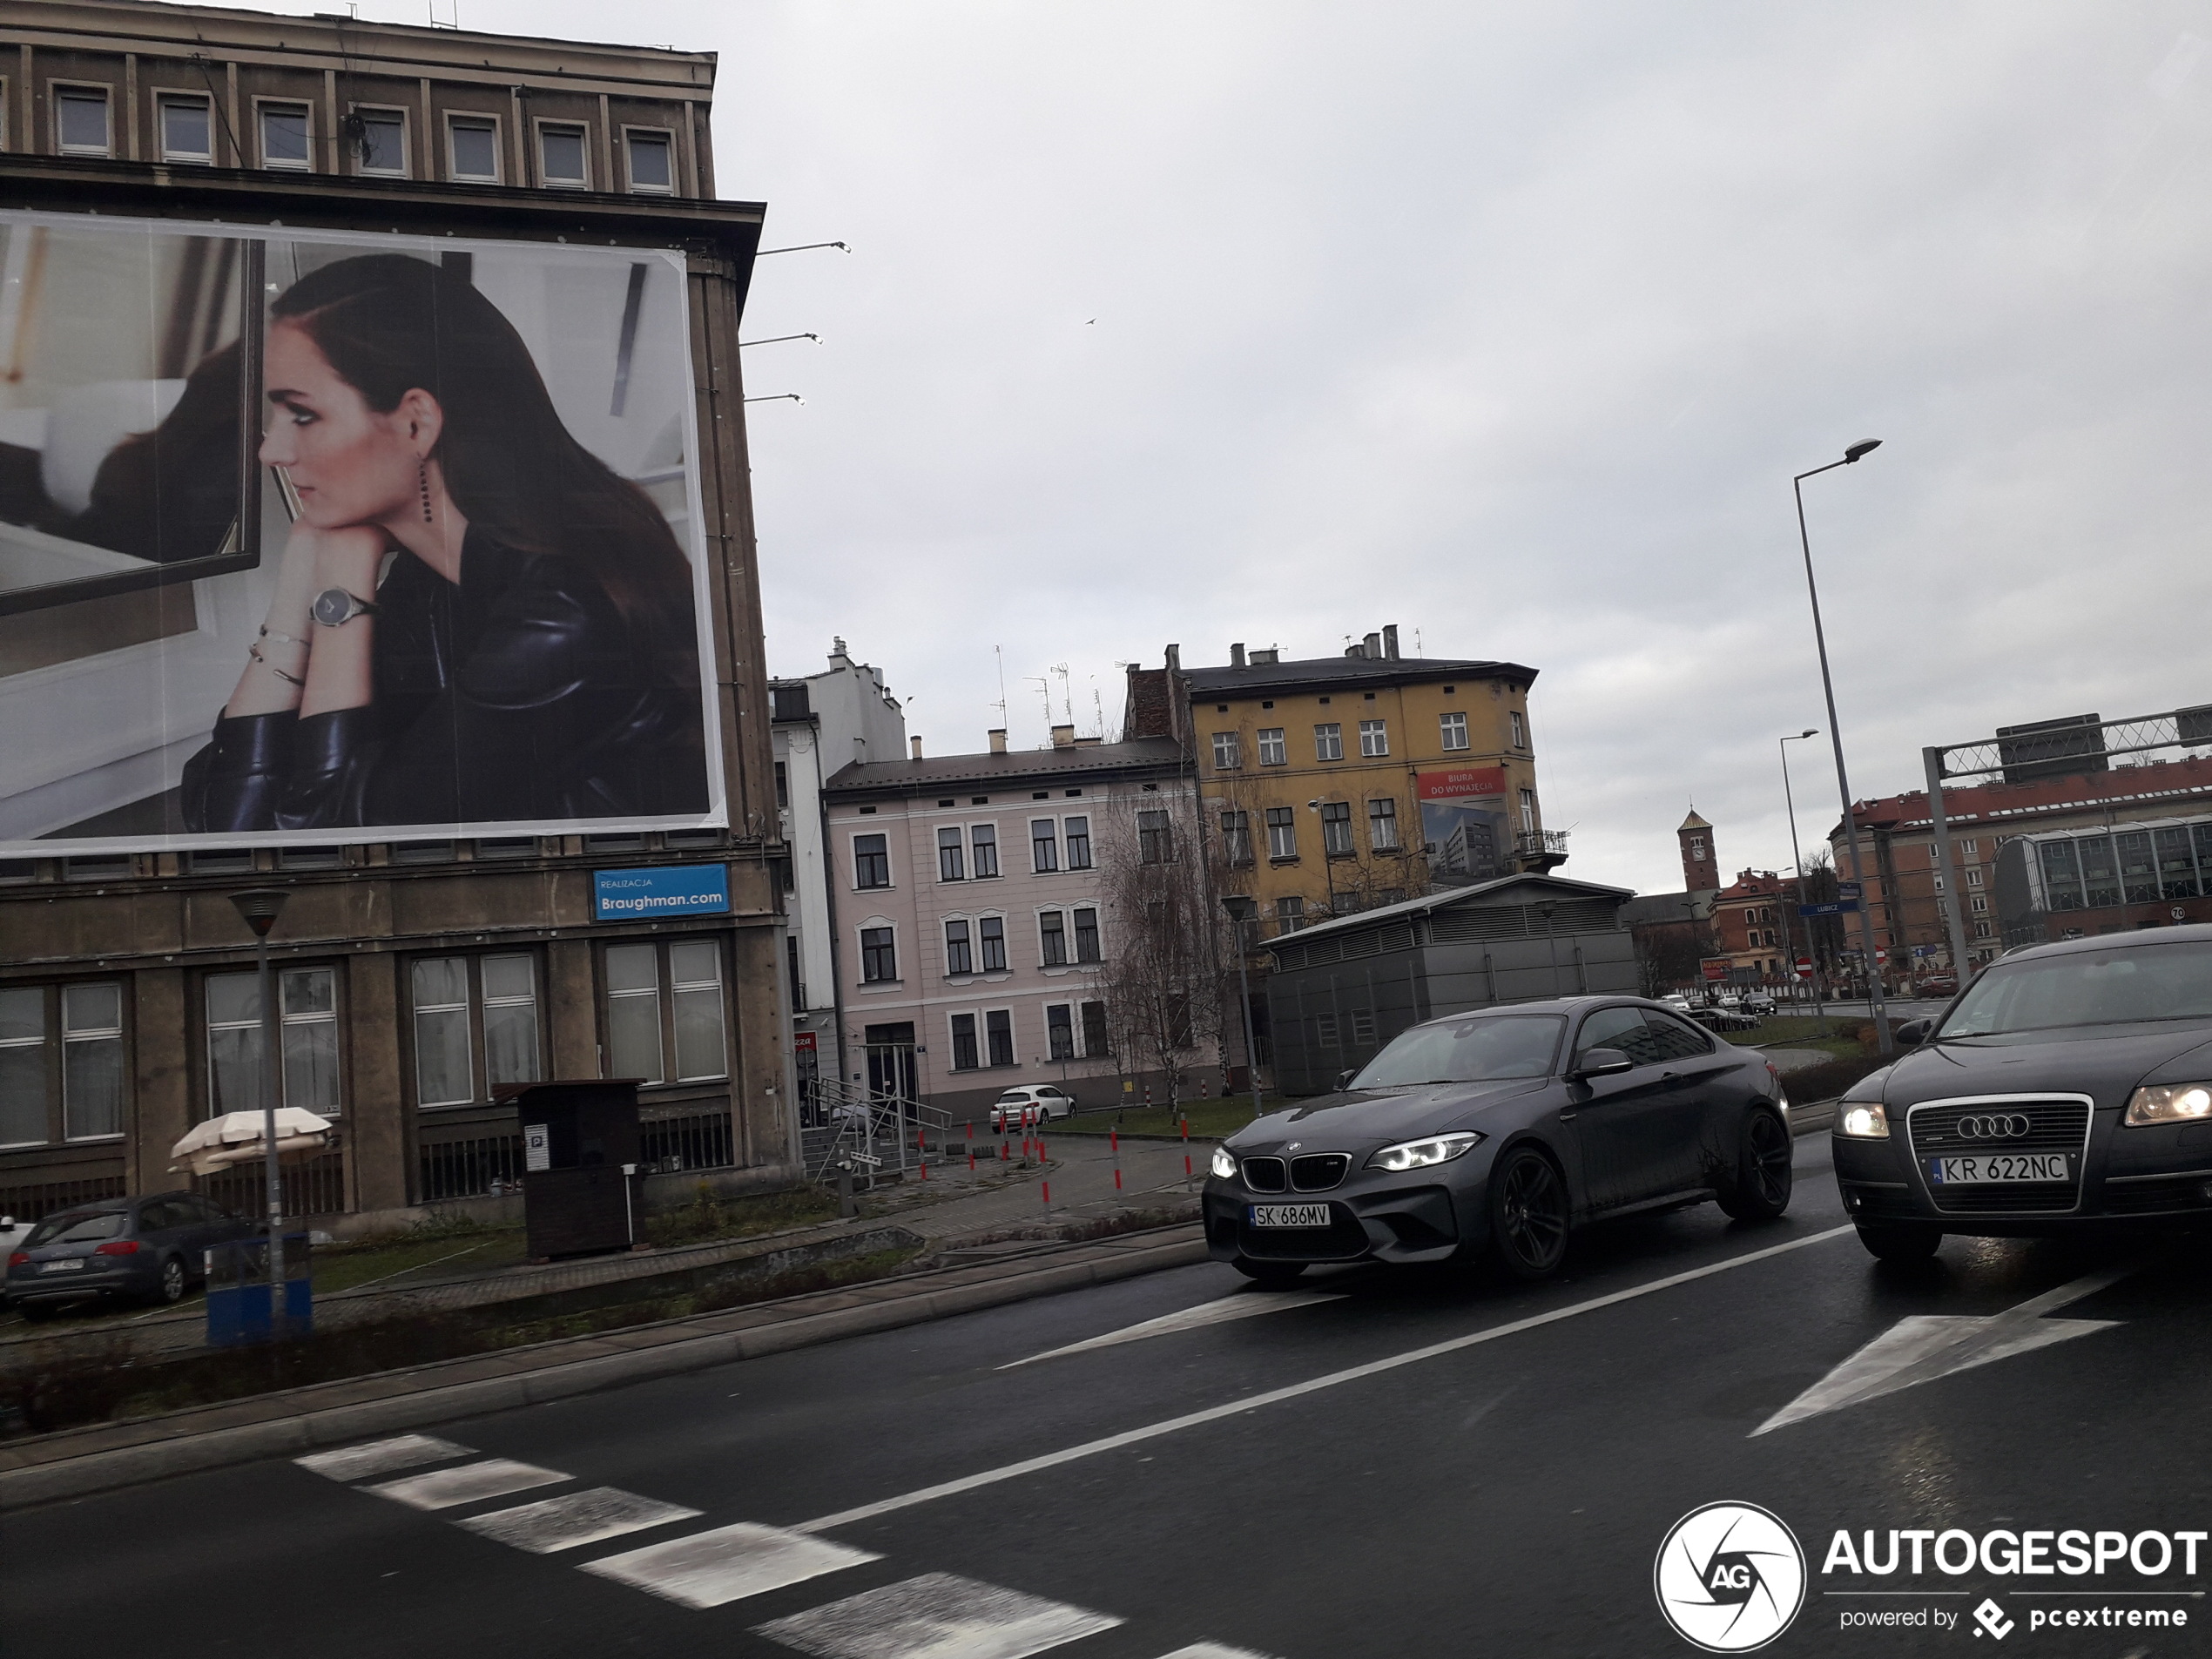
[
  {"x": 2126, "y": 984},
  {"x": 1492, "y": 1049}
]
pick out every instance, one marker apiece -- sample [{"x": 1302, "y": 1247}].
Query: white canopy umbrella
[{"x": 235, "y": 1137}]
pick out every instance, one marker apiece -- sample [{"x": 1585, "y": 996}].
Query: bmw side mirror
[
  {"x": 1345, "y": 1077},
  {"x": 1913, "y": 1032},
  {"x": 1601, "y": 1062}
]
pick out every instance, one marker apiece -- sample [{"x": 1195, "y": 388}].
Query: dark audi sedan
[
  {"x": 2069, "y": 1086},
  {"x": 144, "y": 1249},
  {"x": 1499, "y": 1132}
]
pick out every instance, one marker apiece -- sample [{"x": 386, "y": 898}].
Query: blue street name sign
[
  {"x": 1838, "y": 908},
  {"x": 1848, "y": 890},
  {"x": 670, "y": 890}
]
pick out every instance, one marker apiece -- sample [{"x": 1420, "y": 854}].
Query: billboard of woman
[{"x": 303, "y": 536}]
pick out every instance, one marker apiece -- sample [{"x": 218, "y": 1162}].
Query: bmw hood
[
  {"x": 2104, "y": 1063},
  {"x": 1379, "y": 1116}
]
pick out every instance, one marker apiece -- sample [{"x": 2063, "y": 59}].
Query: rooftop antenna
[
  {"x": 1067, "y": 700},
  {"x": 1044, "y": 690},
  {"x": 999, "y": 653},
  {"x": 1098, "y": 708}
]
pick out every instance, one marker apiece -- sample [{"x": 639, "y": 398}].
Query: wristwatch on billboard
[{"x": 334, "y": 608}]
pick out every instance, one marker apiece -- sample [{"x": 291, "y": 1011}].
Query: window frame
[
  {"x": 1274, "y": 746},
  {"x": 1282, "y": 847},
  {"x": 953, "y": 868},
  {"x": 1328, "y": 741},
  {"x": 62, "y": 91},
  {"x": 965, "y": 946},
  {"x": 1235, "y": 837},
  {"x": 539, "y": 126},
  {"x": 1527, "y": 812},
  {"x": 1387, "y": 817},
  {"x": 51, "y": 1045},
  {"x": 1097, "y": 939},
  {"x": 1451, "y": 724},
  {"x": 336, "y": 1018},
  {"x": 952, "y": 1039},
  {"x": 406, "y": 169},
  {"x": 1044, "y": 852},
  {"x": 474, "y": 1004},
  {"x": 871, "y": 957},
  {"x": 630, "y": 186},
  {"x": 455, "y": 119},
  {"x": 1517, "y": 723},
  {"x": 1052, "y": 931},
  {"x": 853, "y": 839},
  {"x": 1060, "y": 1034},
  {"x": 262, "y": 106},
  {"x": 666, "y": 988},
  {"x": 164, "y": 97},
  {"x": 1227, "y": 751},
  {"x": 1155, "y": 839},
  {"x": 990, "y": 931},
  {"x": 1105, "y": 1029},
  {"x": 992, "y": 1032},
  {"x": 1374, "y": 739},
  {"x": 981, "y": 835}
]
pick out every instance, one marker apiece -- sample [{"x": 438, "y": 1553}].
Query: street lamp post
[
  {"x": 1836, "y": 736},
  {"x": 1242, "y": 911},
  {"x": 1797, "y": 859},
  {"x": 260, "y": 908}
]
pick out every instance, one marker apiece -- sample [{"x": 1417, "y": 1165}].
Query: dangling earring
[{"x": 422, "y": 478}]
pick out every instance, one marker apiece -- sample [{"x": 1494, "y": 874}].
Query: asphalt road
[{"x": 1507, "y": 1493}]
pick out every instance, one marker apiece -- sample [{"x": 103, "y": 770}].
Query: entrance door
[{"x": 891, "y": 1067}]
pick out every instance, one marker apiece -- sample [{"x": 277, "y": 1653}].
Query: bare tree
[{"x": 1161, "y": 977}]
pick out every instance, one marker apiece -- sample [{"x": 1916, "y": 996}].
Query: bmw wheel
[
  {"x": 1761, "y": 1190},
  {"x": 1529, "y": 1213},
  {"x": 1900, "y": 1241}
]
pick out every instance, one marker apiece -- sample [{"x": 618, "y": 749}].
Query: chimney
[
  {"x": 917, "y": 743},
  {"x": 1355, "y": 651},
  {"x": 838, "y": 658},
  {"x": 1268, "y": 657},
  {"x": 1175, "y": 659},
  {"x": 1390, "y": 641},
  {"x": 998, "y": 739},
  {"x": 1237, "y": 655},
  {"x": 1064, "y": 737},
  {"x": 1373, "y": 643}
]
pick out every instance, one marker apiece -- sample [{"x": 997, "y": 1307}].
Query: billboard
[
  {"x": 1463, "y": 823},
  {"x": 331, "y": 535}
]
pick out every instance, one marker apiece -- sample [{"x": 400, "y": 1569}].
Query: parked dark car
[
  {"x": 2070, "y": 1086},
  {"x": 1501, "y": 1131},
  {"x": 143, "y": 1249}
]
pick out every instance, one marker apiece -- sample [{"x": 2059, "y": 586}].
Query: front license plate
[
  {"x": 1997, "y": 1166},
  {"x": 67, "y": 1264},
  {"x": 1290, "y": 1215}
]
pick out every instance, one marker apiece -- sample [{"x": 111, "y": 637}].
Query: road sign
[
  {"x": 1835, "y": 907},
  {"x": 1804, "y": 967},
  {"x": 1849, "y": 890}
]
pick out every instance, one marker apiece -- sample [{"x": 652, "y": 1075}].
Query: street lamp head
[
  {"x": 1863, "y": 447},
  {"x": 1240, "y": 908},
  {"x": 259, "y": 906},
  {"x": 1809, "y": 731}
]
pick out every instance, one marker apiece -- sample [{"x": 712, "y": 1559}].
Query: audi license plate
[
  {"x": 1997, "y": 1166},
  {"x": 67, "y": 1264},
  {"x": 1290, "y": 1215}
]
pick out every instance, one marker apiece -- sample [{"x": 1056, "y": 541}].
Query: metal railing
[
  {"x": 485, "y": 1167},
  {"x": 35, "y": 1201},
  {"x": 314, "y": 1187},
  {"x": 873, "y": 1131},
  {"x": 693, "y": 1141}
]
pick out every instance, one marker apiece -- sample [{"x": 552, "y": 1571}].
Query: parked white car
[{"x": 1038, "y": 1105}]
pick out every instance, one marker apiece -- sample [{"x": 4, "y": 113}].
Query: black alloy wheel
[
  {"x": 1529, "y": 1214},
  {"x": 172, "y": 1288},
  {"x": 1269, "y": 1275},
  {"x": 1900, "y": 1241},
  {"x": 1761, "y": 1190}
]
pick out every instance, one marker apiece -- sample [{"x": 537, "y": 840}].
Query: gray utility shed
[{"x": 1342, "y": 989}]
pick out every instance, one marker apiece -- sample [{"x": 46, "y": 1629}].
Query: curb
[{"x": 414, "y": 1401}]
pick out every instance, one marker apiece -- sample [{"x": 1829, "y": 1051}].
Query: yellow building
[{"x": 1337, "y": 784}]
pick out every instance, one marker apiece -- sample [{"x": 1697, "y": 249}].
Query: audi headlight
[
  {"x": 1863, "y": 1121},
  {"x": 1419, "y": 1155},
  {"x": 1224, "y": 1164},
  {"x": 2171, "y": 1103}
]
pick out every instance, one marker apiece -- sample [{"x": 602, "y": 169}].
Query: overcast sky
[{"x": 1277, "y": 322}]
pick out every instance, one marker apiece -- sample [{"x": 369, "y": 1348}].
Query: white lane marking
[
  {"x": 709, "y": 1569},
  {"x": 1212, "y": 1650},
  {"x": 381, "y": 1457},
  {"x": 1314, "y": 1384},
  {"x": 1924, "y": 1346},
  {"x": 575, "y": 1519},
  {"x": 1242, "y": 1305},
  {"x": 935, "y": 1617},
  {"x": 442, "y": 1488}
]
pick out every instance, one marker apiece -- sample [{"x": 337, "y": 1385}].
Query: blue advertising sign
[
  {"x": 1838, "y": 907},
  {"x": 670, "y": 890}
]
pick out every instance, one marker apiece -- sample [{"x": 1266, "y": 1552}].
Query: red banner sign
[
  {"x": 802, "y": 1043},
  {"x": 1716, "y": 968},
  {"x": 1461, "y": 783}
]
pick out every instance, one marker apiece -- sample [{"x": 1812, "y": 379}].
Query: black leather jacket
[{"x": 517, "y": 695}]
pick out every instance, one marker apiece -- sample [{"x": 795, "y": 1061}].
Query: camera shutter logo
[{"x": 1729, "y": 1577}]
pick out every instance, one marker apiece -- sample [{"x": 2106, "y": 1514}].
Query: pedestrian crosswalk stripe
[
  {"x": 707, "y": 1569},
  {"x": 472, "y": 1482},
  {"x": 938, "y": 1616},
  {"x": 381, "y": 1457},
  {"x": 1212, "y": 1650},
  {"x": 575, "y": 1519}
]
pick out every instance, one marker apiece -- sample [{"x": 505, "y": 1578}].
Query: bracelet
[
  {"x": 255, "y": 652},
  {"x": 282, "y": 639}
]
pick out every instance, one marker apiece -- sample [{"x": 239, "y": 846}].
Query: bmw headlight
[
  {"x": 1863, "y": 1120},
  {"x": 2171, "y": 1103},
  {"x": 1419, "y": 1155},
  {"x": 1224, "y": 1164}
]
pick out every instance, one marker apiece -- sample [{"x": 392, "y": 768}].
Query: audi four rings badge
[{"x": 1993, "y": 1126}]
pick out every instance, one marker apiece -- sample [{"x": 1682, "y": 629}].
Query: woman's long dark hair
[{"x": 389, "y": 323}]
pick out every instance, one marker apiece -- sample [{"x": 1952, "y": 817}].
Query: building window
[
  {"x": 23, "y": 1065},
  {"x": 1455, "y": 727},
  {"x": 284, "y": 141},
  {"x": 1282, "y": 833},
  {"x": 1078, "y": 843},
  {"x": 1237, "y": 838},
  {"x": 81, "y": 121},
  {"x": 1970, "y": 848},
  {"x": 307, "y": 1040},
  {"x": 951, "y": 861},
  {"x": 1336, "y": 828},
  {"x": 92, "y": 1063},
  {"x": 991, "y": 934},
  {"x": 1519, "y": 728},
  {"x": 1973, "y": 878},
  {"x": 1527, "y": 812},
  {"x": 1053, "y": 933},
  {"x": 1060, "y": 1030},
  {"x": 1226, "y": 756},
  {"x": 1374, "y": 739},
  {"x": 653, "y": 170},
  {"x": 472, "y": 148},
  {"x": 870, "y": 861},
  {"x": 1328, "y": 741},
  {"x": 960, "y": 957},
  {"x": 1978, "y": 904},
  {"x": 1382, "y": 825},
  {"x": 1044, "y": 845},
  {"x": 983, "y": 841},
  {"x": 380, "y": 140},
  {"x": 1981, "y": 930},
  {"x": 1155, "y": 840},
  {"x": 1698, "y": 849},
  {"x": 878, "y": 956},
  {"x": 188, "y": 129},
  {"x": 507, "y": 846},
  {"x": 467, "y": 1006},
  {"x": 1273, "y": 751},
  {"x": 1097, "y": 1043},
  {"x": 561, "y": 157},
  {"x": 1087, "y": 936},
  {"x": 965, "y": 1057},
  {"x": 681, "y": 1035},
  {"x": 998, "y": 1036}
]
